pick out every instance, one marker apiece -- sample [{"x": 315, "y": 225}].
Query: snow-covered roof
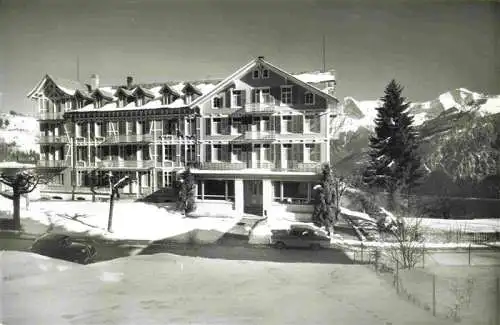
[{"x": 316, "y": 76}]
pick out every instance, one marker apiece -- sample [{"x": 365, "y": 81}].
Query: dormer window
[
  {"x": 189, "y": 98},
  {"x": 255, "y": 74},
  {"x": 139, "y": 101},
  {"x": 98, "y": 102},
  {"x": 217, "y": 102},
  {"x": 167, "y": 99},
  {"x": 265, "y": 74},
  {"x": 309, "y": 98}
]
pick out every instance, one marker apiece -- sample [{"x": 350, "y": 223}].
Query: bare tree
[{"x": 23, "y": 182}]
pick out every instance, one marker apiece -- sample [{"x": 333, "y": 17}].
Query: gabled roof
[
  {"x": 247, "y": 68},
  {"x": 102, "y": 93},
  {"x": 145, "y": 91},
  {"x": 83, "y": 94},
  {"x": 189, "y": 87},
  {"x": 124, "y": 91},
  {"x": 167, "y": 89},
  {"x": 65, "y": 85}
]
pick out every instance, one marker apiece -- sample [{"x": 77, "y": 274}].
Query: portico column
[
  {"x": 202, "y": 190},
  {"x": 267, "y": 196},
  {"x": 238, "y": 196}
]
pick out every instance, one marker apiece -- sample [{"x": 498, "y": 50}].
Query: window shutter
[
  {"x": 208, "y": 126},
  {"x": 224, "y": 125},
  {"x": 277, "y": 124},
  {"x": 315, "y": 124},
  {"x": 208, "y": 152},
  {"x": 243, "y": 97},
  {"x": 315, "y": 152}
]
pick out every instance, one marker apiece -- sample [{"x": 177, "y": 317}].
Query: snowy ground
[
  {"x": 131, "y": 220},
  {"x": 170, "y": 289}
]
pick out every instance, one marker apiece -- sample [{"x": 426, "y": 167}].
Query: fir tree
[
  {"x": 394, "y": 160},
  {"x": 327, "y": 198},
  {"x": 185, "y": 189}
]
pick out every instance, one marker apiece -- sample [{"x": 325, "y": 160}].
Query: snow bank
[{"x": 17, "y": 265}]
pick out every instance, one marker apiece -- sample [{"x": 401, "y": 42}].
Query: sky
[{"x": 428, "y": 46}]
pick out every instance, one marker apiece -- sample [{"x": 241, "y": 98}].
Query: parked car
[
  {"x": 300, "y": 237},
  {"x": 65, "y": 248}
]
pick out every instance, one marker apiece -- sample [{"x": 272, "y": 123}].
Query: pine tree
[
  {"x": 394, "y": 160},
  {"x": 327, "y": 198},
  {"x": 185, "y": 189}
]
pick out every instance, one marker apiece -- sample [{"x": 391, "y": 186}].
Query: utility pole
[
  {"x": 113, "y": 190},
  {"x": 78, "y": 68},
  {"x": 73, "y": 160}
]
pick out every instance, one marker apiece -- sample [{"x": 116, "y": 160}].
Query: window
[
  {"x": 265, "y": 74},
  {"x": 266, "y": 124},
  {"x": 67, "y": 105},
  {"x": 266, "y": 152},
  {"x": 287, "y": 124},
  {"x": 167, "y": 99},
  {"x": 312, "y": 152},
  {"x": 312, "y": 124},
  {"x": 217, "y": 124},
  {"x": 217, "y": 102},
  {"x": 262, "y": 95},
  {"x": 236, "y": 98},
  {"x": 309, "y": 98},
  {"x": 217, "y": 152},
  {"x": 237, "y": 153},
  {"x": 237, "y": 126},
  {"x": 255, "y": 74},
  {"x": 208, "y": 126},
  {"x": 188, "y": 98},
  {"x": 286, "y": 94}
]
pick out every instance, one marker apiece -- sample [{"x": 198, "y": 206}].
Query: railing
[
  {"x": 53, "y": 139},
  {"x": 259, "y": 135},
  {"x": 52, "y": 163},
  {"x": 268, "y": 107},
  {"x": 220, "y": 165},
  {"x": 125, "y": 164},
  {"x": 313, "y": 167},
  {"x": 132, "y": 138},
  {"x": 293, "y": 200},
  {"x": 50, "y": 115}
]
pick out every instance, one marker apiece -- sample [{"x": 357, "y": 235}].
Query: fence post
[
  {"x": 433, "y": 295},
  {"x": 469, "y": 252}
]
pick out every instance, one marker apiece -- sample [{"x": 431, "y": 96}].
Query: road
[{"x": 235, "y": 248}]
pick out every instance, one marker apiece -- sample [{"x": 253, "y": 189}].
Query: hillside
[
  {"x": 460, "y": 131},
  {"x": 20, "y": 131}
]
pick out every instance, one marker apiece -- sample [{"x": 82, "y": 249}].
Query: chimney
[
  {"x": 130, "y": 81},
  {"x": 260, "y": 57},
  {"x": 94, "y": 81}
]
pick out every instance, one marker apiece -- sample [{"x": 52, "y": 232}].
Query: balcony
[
  {"x": 52, "y": 163},
  {"x": 256, "y": 136},
  {"x": 115, "y": 163},
  {"x": 295, "y": 166},
  {"x": 265, "y": 108},
  {"x": 220, "y": 165},
  {"x": 132, "y": 138},
  {"x": 50, "y": 115},
  {"x": 53, "y": 139}
]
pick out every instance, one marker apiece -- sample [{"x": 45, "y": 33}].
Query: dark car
[
  {"x": 65, "y": 248},
  {"x": 299, "y": 237}
]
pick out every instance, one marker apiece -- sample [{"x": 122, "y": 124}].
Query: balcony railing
[
  {"x": 132, "y": 138},
  {"x": 50, "y": 115},
  {"x": 220, "y": 165},
  {"x": 52, "y": 163},
  {"x": 267, "y": 107},
  {"x": 124, "y": 164},
  {"x": 295, "y": 166},
  {"x": 53, "y": 139},
  {"x": 259, "y": 135}
]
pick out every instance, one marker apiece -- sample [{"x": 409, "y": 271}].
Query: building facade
[{"x": 255, "y": 140}]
